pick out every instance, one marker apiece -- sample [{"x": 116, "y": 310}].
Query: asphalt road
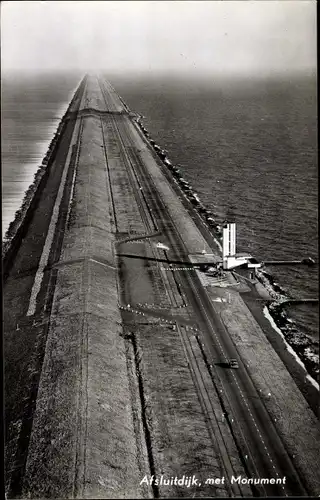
[{"x": 262, "y": 447}]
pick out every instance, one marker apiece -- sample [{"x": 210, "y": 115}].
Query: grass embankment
[
  {"x": 83, "y": 442},
  {"x": 23, "y": 215}
]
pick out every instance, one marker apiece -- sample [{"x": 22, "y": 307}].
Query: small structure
[
  {"x": 162, "y": 246},
  {"x": 231, "y": 259}
]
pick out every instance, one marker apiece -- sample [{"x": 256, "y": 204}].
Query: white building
[{"x": 232, "y": 259}]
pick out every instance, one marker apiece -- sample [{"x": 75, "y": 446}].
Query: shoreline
[
  {"x": 15, "y": 229},
  {"x": 298, "y": 342},
  {"x": 97, "y": 356},
  {"x": 274, "y": 326},
  {"x": 283, "y": 322}
]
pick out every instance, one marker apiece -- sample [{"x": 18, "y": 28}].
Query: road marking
[
  {"x": 236, "y": 381},
  {"x": 218, "y": 342}
]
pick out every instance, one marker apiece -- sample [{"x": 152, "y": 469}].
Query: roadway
[
  {"x": 27, "y": 309},
  {"x": 262, "y": 451}
]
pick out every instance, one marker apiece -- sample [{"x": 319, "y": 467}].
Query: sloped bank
[
  {"x": 297, "y": 340},
  {"x": 19, "y": 226},
  {"x": 83, "y": 443},
  {"x": 269, "y": 377},
  {"x": 188, "y": 191}
]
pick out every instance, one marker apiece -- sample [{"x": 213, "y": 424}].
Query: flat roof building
[{"x": 231, "y": 259}]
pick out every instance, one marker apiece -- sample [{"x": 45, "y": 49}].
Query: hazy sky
[{"x": 243, "y": 36}]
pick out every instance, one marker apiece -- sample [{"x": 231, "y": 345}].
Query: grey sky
[{"x": 247, "y": 37}]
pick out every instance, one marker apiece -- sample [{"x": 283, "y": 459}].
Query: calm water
[
  {"x": 31, "y": 108},
  {"x": 248, "y": 150}
]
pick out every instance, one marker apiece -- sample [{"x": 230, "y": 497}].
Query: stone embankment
[{"x": 297, "y": 340}]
